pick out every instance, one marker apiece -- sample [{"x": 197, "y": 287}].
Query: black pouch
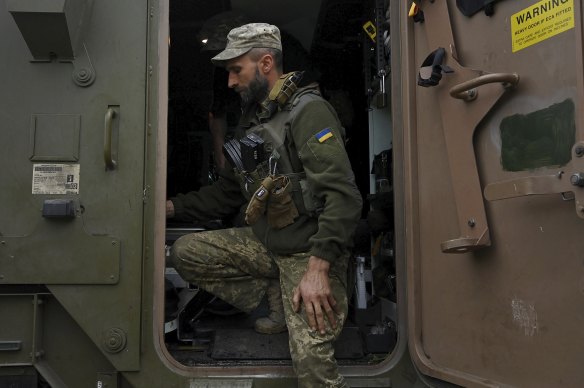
[
  {"x": 232, "y": 152},
  {"x": 470, "y": 7},
  {"x": 252, "y": 151}
]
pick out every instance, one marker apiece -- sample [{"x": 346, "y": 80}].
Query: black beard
[{"x": 257, "y": 90}]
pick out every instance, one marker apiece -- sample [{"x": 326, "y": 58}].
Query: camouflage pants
[{"x": 235, "y": 266}]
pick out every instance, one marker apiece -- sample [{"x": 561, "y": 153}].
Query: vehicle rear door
[{"x": 494, "y": 204}]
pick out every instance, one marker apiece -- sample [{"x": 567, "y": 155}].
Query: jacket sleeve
[
  {"x": 328, "y": 171},
  {"x": 220, "y": 199}
]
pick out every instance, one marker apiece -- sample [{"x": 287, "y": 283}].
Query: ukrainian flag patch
[{"x": 324, "y": 135}]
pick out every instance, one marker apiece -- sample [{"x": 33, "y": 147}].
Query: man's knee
[{"x": 182, "y": 251}]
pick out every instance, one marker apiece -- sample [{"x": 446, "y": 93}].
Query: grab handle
[
  {"x": 110, "y": 163},
  {"x": 467, "y": 90}
]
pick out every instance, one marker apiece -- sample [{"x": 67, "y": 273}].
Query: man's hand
[
  {"x": 169, "y": 209},
  {"x": 315, "y": 291}
]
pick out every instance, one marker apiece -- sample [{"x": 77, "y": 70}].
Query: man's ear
[{"x": 266, "y": 64}]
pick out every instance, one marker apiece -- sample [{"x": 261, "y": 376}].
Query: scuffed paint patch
[
  {"x": 525, "y": 316},
  {"x": 543, "y": 138}
]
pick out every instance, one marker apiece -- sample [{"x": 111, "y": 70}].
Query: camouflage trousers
[{"x": 236, "y": 267}]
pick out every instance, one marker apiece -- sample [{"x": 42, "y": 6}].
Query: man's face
[{"x": 246, "y": 79}]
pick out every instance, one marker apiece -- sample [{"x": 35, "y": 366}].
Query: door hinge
[{"x": 146, "y": 194}]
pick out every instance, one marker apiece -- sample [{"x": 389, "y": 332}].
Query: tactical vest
[{"x": 279, "y": 144}]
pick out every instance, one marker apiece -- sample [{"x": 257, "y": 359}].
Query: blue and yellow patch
[{"x": 324, "y": 135}]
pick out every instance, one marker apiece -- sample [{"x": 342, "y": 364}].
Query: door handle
[
  {"x": 10, "y": 346},
  {"x": 467, "y": 91},
  {"x": 110, "y": 163}
]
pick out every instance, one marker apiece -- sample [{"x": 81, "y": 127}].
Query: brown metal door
[{"x": 494, "y": 217}]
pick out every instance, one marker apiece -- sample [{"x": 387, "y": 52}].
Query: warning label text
[{"x": 541, "y": 21}]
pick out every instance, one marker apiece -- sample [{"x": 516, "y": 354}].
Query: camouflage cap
[{"x": 242, "y": 39}]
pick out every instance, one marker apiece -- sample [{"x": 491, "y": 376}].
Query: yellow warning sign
[{"x": 541, "y": 21}]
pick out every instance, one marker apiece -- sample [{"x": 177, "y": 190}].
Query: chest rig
[{"x": 267, "y": 148}]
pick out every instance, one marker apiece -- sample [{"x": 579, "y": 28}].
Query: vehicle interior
[{"x": 344, "y": 46}]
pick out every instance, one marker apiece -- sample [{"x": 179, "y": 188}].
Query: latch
[
  {"x": 430, "y": 72},
  {"x": 565, "y": 181},
  {"x": 59, "y": 208}
]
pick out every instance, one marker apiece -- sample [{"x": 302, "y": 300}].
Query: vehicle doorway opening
[{"x": 342, "y": 47}]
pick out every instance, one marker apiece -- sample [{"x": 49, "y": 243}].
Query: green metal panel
[
  {"x": 93, "y": 261},
  {"x": 69, "y": 358},
  {"x": 16, "y": 336},
  {"x": 92, "y": 330},
  {"x": 76, "y": 265},
  {"x": 18, "y": 377},
  {"x": 55, "y": 137}
]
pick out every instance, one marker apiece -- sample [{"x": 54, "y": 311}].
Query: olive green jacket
[{"x": 328, "y": 234}]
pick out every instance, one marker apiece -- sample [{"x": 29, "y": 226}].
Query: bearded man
[{"x": 291, "y": 168}]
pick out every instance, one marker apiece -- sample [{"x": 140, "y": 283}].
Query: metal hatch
[
  {"x": 74, "y": 81},
  {"x": 493, "y": 155}
]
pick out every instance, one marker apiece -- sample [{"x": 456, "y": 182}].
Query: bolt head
[{"x": 577, "y": 179}]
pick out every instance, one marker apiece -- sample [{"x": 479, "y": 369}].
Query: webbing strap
[
  {"x": 432, "y": 68},
  {"x": 470, "y": 7}
]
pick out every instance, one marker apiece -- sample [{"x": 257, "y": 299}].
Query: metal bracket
[
  {"x": 546, "y": 184},
  {"x": 57, "y": 33},
  {"x": 460, "y": 118},
  {"x": 83, "y": 71}
]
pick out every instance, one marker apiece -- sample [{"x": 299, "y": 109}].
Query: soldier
[
  {"x": 225, "y": 107},
  {"x": 303, "y": 207}
]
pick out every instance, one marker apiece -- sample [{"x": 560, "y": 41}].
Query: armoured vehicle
[{"x": 465, "y": 130}]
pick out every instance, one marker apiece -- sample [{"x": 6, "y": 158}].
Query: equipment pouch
[
  {"x": 281, "y": 208},
  {"x": 257, "y": 204},
  {"x": 470, "y": 7}
]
